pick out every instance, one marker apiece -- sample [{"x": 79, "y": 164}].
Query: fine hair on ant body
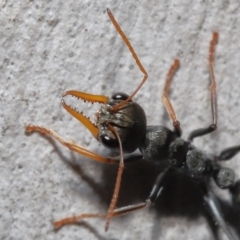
[{"x": 121, "y": 124}]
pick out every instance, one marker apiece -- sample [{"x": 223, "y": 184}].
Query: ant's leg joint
[
  {"x": 177, "y": 128},
  {"x": 213, "y": 127},
  {"x": 176, "y": 124},
  {"x": 149, "y": 202}
]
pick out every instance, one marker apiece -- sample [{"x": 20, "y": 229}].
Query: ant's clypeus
[{"x": 121, "y": 124}]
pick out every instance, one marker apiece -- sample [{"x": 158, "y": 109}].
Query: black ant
[{"x": 121, "y": 124}]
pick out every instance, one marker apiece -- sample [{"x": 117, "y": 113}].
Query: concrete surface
[{"x": 48, "y": 47}]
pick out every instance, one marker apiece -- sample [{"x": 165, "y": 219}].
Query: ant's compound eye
[
  {"x": 108, "y": 142},
  {"x": 120, "y": 96}
]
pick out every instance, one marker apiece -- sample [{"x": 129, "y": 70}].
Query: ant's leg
[
  {"x": 213, "y": 205},
  {"x": 77, "y": 148},
  {"x": 156, "y": 190},
  {"x": 228, "y": 153},
  {"x": 166, "y": 100},
  {"x": 202, "y": 131},
  {"x": 72, "y": 146},
  {"x": 235, "y": 191},
  {"x": 116, "y": 212}
]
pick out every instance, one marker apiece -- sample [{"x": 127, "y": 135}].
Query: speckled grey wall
[{"x": 48, "y": 47}]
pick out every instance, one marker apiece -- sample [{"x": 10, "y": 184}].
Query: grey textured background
[{"x": 48, "y": 47}]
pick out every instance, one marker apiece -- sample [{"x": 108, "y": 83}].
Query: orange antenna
[
  {"x": 113, "y": 203},
  {"x": 125, "y": 39}
]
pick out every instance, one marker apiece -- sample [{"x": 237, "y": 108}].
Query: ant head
[
  {"x": 129, "y": 121},
  {"x": 127, "y": 117}
]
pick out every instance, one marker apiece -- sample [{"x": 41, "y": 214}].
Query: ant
[{"x": 121, "y": 124}]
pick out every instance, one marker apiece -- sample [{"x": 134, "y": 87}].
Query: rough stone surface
[{"x": 48, "y": 47}]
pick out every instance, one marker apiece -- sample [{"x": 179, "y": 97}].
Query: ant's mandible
[{"x": 121, "y": 124}]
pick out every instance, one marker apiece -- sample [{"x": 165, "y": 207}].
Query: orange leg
[
  {"x": 154, "y": 194},
  {"x": 202, "y": 131},
  {"x": 213, "y": 82},
  {"x": 115, "y": 213},
  {"x": 77, "y": 148},
  {"x": 166, "y": 100},
  {"x": 72, "y": 146}
]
